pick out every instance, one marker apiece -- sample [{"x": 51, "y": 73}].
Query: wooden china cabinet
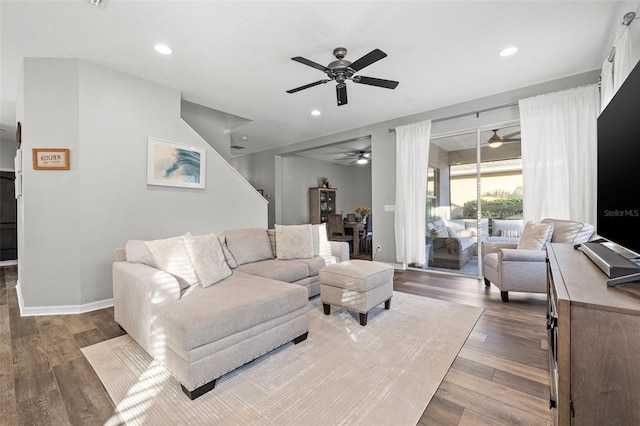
[{"x": 322, "y": 203}]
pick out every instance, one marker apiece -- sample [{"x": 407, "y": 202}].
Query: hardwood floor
[{"x": 500, "y": 377}]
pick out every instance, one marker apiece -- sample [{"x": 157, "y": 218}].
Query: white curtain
[
  {"x": 412, "y": 164},
  {"x": 622, "y": 61},
  {"x": 614, "y": 73},
  {"x": 606, "y": 84},
  {"x": 559, "y": 154}
]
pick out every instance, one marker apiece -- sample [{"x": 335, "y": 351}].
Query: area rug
[{"x": 383, "y": 373}]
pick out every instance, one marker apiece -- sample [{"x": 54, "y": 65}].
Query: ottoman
[{"x": 359, "y": 285}]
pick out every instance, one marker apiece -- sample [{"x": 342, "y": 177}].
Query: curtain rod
[
  {"x": 627, "y": 19},
  {"x": 464, "y": 114}
]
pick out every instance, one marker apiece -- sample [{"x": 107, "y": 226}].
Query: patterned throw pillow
[
  {"x": 512, "y": 233},
  {"x": 440, "y": 232},
  {"x": 208, "y": 259},
  {"x": 466, "y": 233},
  {"x": 294, "y": 242}
]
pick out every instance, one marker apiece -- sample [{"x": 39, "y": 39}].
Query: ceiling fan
[
  {"x": 496, "y": 140},
  {"x": 360, "y": 157},
  {"x": 342, "y": 70}
]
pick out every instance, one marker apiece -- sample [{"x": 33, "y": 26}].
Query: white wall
[
  {"x": 383, "y": 148},
  {"x": 72, "y": 221}
]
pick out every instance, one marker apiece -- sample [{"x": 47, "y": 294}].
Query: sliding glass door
[{"x": 474, "y": 177}]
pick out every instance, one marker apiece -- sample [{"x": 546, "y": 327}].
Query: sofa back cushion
[
  {"x": 321, "y": 244},
  {"x": 249, "y": 245},
  {"x": 498, "y": 225},
  {"x": 569, "y": 231},
  {"x": 294, "y": 242}
]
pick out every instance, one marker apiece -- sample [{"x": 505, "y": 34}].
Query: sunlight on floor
[{"x": 141, "y": 397}]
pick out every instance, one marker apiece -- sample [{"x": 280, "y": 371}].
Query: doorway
[
  {"x": 474, "y": 179},
  {"x": 8, "y": 217}
]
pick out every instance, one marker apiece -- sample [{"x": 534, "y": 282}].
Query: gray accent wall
[
  {"x": 71, "y": 222},
  {"x": 383, "y": 151},
  {"x": 353, "y": 184}
]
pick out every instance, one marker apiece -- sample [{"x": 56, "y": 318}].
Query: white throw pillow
[
  {"x": 208, "y": 259},
  {"x": 137, "y": 252},
  {"x": 534, "y": 236},
  {"x": 294, "y": 242},
  {"x": 321, "y": 245},
  {"x": 171, "y": 255}
]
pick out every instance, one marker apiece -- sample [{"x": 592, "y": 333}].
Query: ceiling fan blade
[
  {"x": 341, "y": 92},
  {"x": 388, "y": 84},
  {"x": 306, "y": 86},
  {"x": 310, "y": 63},
  {"x": 371, "y": 57}
]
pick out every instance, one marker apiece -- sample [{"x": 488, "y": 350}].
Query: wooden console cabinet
[{"x": 594, "y": 343}]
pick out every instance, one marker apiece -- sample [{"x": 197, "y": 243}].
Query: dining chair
[
  {"x": 351, "y": 217},
  {"x": 336, "y": 229},
  {"x": 366, "y": 238}
]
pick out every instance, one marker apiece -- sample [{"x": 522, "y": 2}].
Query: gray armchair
[{"x": 513, "y": 269}]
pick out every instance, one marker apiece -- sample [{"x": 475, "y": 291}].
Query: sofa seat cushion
[
  {"x": 281, "y": 270},
  {"x": 315, "y": 264},
  {"x": 233, "y": 305}
]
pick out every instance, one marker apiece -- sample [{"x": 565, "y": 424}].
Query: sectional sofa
[{"x": 205, "y": 305}]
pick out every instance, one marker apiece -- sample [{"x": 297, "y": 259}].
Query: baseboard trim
[{"x": 32, "y": 311}]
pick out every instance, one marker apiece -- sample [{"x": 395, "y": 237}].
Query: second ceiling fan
[{"x": 342, "y": 70}]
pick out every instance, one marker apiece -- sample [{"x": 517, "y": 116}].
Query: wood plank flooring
[{"x": 500, "y": 377}]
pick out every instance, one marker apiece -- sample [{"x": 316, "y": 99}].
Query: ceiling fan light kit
[
  {"x": 495, "y": 141},
  {"x": 342, "y": 70}
]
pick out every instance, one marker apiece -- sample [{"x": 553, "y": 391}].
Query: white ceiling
[{"x": 235, "y": 56}]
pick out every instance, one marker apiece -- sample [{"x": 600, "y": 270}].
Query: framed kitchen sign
[
  {"x": 50, "y": 158},
  {"x": 172, "y": 164}
]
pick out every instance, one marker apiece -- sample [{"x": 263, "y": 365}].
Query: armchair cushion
[{"x": 518, "y": 255}]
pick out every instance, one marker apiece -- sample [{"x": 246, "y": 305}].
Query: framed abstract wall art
[{"x": 173, "y": 164}]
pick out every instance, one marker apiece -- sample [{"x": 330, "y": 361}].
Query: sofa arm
[
  {"x": 488, "y": 247},
  {"x": 136, "y": 289},
  {"x": 515, "y": 255},
  {"x": 340, "y": 249}
]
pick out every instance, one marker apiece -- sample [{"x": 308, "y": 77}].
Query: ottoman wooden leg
[
  {"x": 327, "y": 308},
  {"x": 363, "y": 319},
  {"x": 387, "y": 304}
]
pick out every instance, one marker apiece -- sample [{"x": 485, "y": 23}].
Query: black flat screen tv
[{"x": 618, "y": 195}]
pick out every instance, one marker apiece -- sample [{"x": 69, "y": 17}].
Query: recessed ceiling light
[
  {"x": 163, "y": 49},
  {"x": 315, "y": 113},
  {"x": 508, "y": 51}
]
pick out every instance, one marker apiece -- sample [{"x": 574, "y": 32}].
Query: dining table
[{"x": 357, "y": 228}]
